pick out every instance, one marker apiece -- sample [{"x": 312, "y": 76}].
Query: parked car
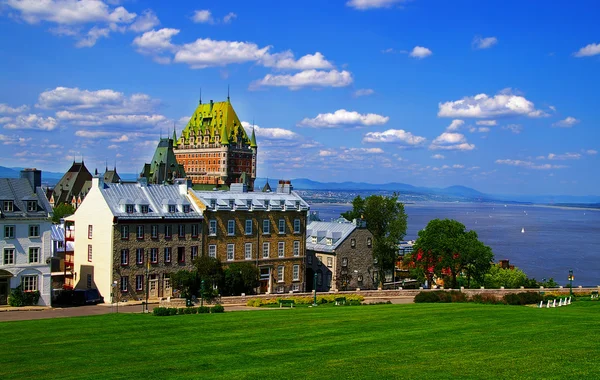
[{"x": 87, "y": 297}]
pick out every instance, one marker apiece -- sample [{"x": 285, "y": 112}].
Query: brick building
[{"x": 264, "y": 228}]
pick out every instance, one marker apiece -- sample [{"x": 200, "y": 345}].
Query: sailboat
[{"x": 523, "y": 230}]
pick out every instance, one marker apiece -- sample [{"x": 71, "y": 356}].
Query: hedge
[{"x": 351, "y": 299}]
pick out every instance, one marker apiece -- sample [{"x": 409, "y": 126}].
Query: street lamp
[
  {"x": 571, "y": 282},
  {"x": 202, "y": 293},
  {"x": 315, "y": 289},
  {"x": 147, "y": 280}
]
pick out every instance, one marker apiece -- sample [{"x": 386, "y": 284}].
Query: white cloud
[
  {"x": 5, "y": 109},
  {"x": 565, "y": 156},
  {"x": 363, "y": 92},
  {"x": 588, "y": 51},
  {"x": 343, "y": 118},
  {"x": 155, "y": 43},
  {"x": 113, "y": 146},
  {"x": 229, "y": 17},
  {"x": 95, "y": 134},
  {"x": 146, "y": 21},
  {"x": 591, "y": 152},
  {"x": 484, "y": 106},
  {"x": 364, "y": 150},
  {"x": 529, "y": 164},
  {"x": 5, "y": 119},
  {"x": 451, "y": 141},
  {"x": 394, "y": 136},
  {"x": 286, "y": 61},
  {"x": 326, "y": 153},
  {"x": 483, "y": 129},
  {"x": 455, "y": 125},
  {"x": 107, "y": 100},
  {"x": 566, "y": 123},
  {"x": 420, "y": 52},
  {"x": 91, "y": 120},
  {"x": 372, "y": 4},
  {"x": 514, "y": 128},
  {"x": 306, "y": 78},
  {"x": 122, "y": 138},
  {"x": 205, "y": 52},
  {"x": 271, "y": 133},
  {"x": 438, "y": 156},
  {"x": 457, "y": 166},
  {"x": 92, "y": 36},
  {"x": 489, "y": 123},
  {"x": 33, "y": 121},
  {"x": 202, "y": 17},
  {"x": 484, "y": 43}
]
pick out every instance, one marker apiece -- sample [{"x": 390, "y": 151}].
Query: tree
[
  {"x": 509, "y": 278},
  {"x": 61, "y": 211},
  {"x": 186, "y": 282},
  {"x": 241, "y": 278},
  {"x": 386, "y": 220},
  {"x": 210, "y": 270},
  {"x": 445, "y": 248}
]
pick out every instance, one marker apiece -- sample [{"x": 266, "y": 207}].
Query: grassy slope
[{"x": 386, "y": 341}]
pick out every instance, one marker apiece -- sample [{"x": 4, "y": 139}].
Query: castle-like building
[{"x": 214, "y": 148}]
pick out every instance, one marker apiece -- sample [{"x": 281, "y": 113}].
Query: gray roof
[
  {"x": 57, "y": 233},
  {"x": 223, "y": 200},
  {"x": 324, "y": 231},
  {"x": 20, "y": 190},
  {"x": 156, "y": 197}
]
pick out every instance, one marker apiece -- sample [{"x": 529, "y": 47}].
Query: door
[
  {"x": 153, "y": 289},
  {"x": 168, "y": 292},
  {"x": 3, "y": 291},
  {"x": 265, "y": 280}
]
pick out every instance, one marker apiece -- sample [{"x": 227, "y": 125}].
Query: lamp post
[
  {"x": 147, "y": 280},
  {"x": 315, "y": 289},
  {"x": 202, "y": 293},
  {"x": 571, "y": 282}
]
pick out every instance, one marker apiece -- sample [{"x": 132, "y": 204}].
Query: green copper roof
[
  {"x": 164, "y": 166},
  {"x": 253, "y": 139}
]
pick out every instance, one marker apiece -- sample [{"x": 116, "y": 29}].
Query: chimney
[{"x": 34, "y": 177}]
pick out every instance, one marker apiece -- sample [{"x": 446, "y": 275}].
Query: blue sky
[{"x": 500, "y": 96}]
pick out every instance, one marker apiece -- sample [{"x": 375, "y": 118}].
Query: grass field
[{"x": 416, "y": 341}]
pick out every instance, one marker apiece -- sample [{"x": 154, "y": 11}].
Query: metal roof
[
  {"x": 20, "y": 190},
  {"x": 323, "y": 231},
  {"x": 220, "y": 200}
]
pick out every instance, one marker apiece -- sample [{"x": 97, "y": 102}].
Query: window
[
  {"x": 129, "y": 209},
  {"x": 296, "y": 287},
  {"x": 154, "y": 231},
  {"x": 280, "y": 273},
  {"x": 248, "y": 251},
  {"x": 139, "y": 282},
  {"x": 195, "y": 230},
  {"x": 29, "y": 283},
  {"x": 90, "y": 230},
  {"x": 89, "y": 281},
  {"x": 124, "y": 232},
  {"x": 8, "y": 206},
  {"x": 248, "y": 229},
  {"x": 329, "y": 262},
  {"x": 172, "y": 208},
  {"x": 319, "y": 260},
  {"x": 89, "y": 253},
  {"x": 309, "y": 259},
  {"x": 329, "y": 241},
  {"x": 313, "y": 239},
  {"x": 281, "y": 249},
  {"x": 230, "y": 252},
  {"x": 9, "y": 256},
  {"x": 181, "y": 254},
  {"x": 212, "y": 251},
  {"x": 328, "y": 280},
  {"x": 181, "y": 231},
  {"x": 213, "y": 204},
  {"x": 194, "y": 252},
  {"x": 168, "y": 231},
  {"x": 139, "y": 232},
  {"x": 186, "y": 208},
  {"x": 319, "y": 278},
  {"x": 34, "y": 255},
  {"x": 231, "y": 201},
  {"x": 153, "y": 255},
  {"x": 9, "y": 232},
  {"x": 34, "y": 230},
  {"x": 296, "y": 226},
  {"x": 296, "y": 248},
  {"x": 144, "y": 209},
  {"x": 266, "y": 226},
  {"x": 266, "y": 247},
  {"x": 124, "y": 283},
  {"x": 281, "y": 226},
  {"x": 344, "y": 262},
  {"x": 280, "y": 289},
  {"x": 124, "y": 256},
  {"x": 212, "y": 227},
  {"x": 167, "y": 254},
  {"x": 31, "y": 206},
  {"x": 139, "y": 255},
  {"x": 296, "y": 273},
  {"x": 369, "y": 242},
  {"x": 231, "y": 227},
  {"x": 353, "y": 243}
]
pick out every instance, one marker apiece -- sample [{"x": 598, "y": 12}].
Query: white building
[{"x": 25, "y": 243}]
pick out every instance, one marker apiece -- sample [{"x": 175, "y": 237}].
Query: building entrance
[{"x": 4, "y": 289}]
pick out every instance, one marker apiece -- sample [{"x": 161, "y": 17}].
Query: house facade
[
  {"x": 264, "y": 228},
  {"x": 25, "y": 242},
  {"x": 130, "y": 238},
  {"x": 340, "y": 255}
]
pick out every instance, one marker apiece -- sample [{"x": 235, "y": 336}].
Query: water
[{"x": 555, "y": 239}]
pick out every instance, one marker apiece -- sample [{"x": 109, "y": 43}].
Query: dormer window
[
  {"x": 298, "y": 205},
  {"x": 266, "y": 204},
  {"x": 144, "y": 209},
  {"x": 213, "y": 203},
  {"x": 31, "y": 206},
  {"x": 249, "y": 203},
  {"x": 186, "y": 208},
  {"x": 329, "y": 241},
  {"x": 313, "y": 239},
  {"x": 129, "y": 209},
  {"x": 172, "y": 208},
  {"x": 231, "y": 203},
  {"x": 9, "y": 206}
]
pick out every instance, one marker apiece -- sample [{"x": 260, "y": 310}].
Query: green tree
[
  {"x": 186, "y": 282},
  {"x": 241, "y": 278},
  {"x": 210, "y": 270},
  {"x": 444, "y": 247},
  {"x": 386, "y": 220},
  {"x": 61, "y": 211},
  {"x": 509, "y": 278}
]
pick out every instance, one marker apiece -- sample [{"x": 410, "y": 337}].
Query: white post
[
  {"x": 541, "y": 304},
  {"x": 548, "y": 305},
  {"x": 554, "y": 303}
]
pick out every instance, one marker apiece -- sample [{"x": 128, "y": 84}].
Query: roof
[
  {"x": 74, "y": 182},
  {"x": 336, "y": 233},
  {"x": 229, "y": 200},
  {"x": 164, "y": 166},
  {"x": 20, "y": 190},
  {"x": 156, "y": 197},
  {"x": 111, "y": 176}
]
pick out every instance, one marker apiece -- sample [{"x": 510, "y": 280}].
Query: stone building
[
  {"x": 341, "y": 256},
  {"x": 264, "y": 228},
  {"x": 130, "y": 238},
  {"x": 215, "y": 149},
  {"x": 25, "y": 231}
]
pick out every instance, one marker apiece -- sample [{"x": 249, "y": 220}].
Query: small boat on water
[{"x": 523, "y": 230}]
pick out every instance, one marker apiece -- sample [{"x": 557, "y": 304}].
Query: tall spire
[
  {"x": 200, "y": 98},
  {"x": 227, "y": 93},
  {"x": 174, "y": 135},
  {"x": 253, "y": 137}
]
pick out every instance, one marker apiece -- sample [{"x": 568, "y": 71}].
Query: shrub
[
  {"x": 18, "y": 297},
  {"x": 203, "y": 310},
  {"x": 193, "y": 310},
  {"x": 427, "y": 297},
  {"x": 456, "y": 296},
  {"x": 524, "y": 298},
  {"x": 160, "y": 312},
  {"x": 172, "y": 311},
  {"x": 217, "y": 309},
  {"x": 486, "y": 298}
]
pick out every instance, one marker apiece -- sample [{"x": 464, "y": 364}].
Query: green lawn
[{"x": 417, "y": 341}]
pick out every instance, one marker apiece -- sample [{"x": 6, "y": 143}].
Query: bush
[
  {"x": 160, "y": 312},
  {"x": 172, "y": 311},
  {"x": 203, "y": 310},
  {"x": 306, "y": 300},
  {"x": 217, "y": 309},
  {"x": 427, "y": 297},
  {"x": 524, "y": 298},
  {"x": 18, "y": 297},
  {"x": 441, "y": 296},
  {"x": 485, "y": 298}
]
